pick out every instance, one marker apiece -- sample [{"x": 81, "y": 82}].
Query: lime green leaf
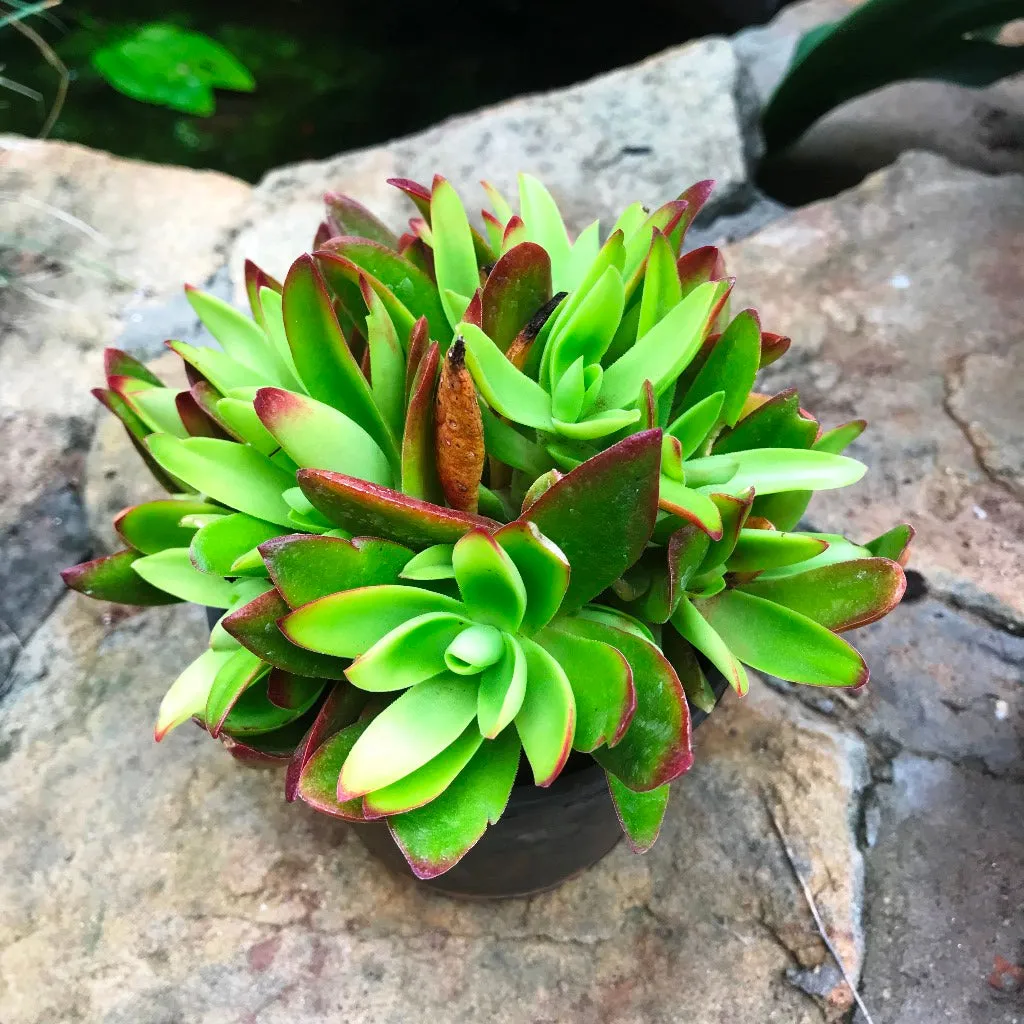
[
  {"x": 640, "y": 814},
  {"x": 781, "y": 642},
  {"x": 113, "y": 578},
  {"x": 489, "y": 581},
  {"x": 507, "y": 390},
  {"x": 734, "y": 512},
  {"x": 419, "y": 455},
  {"x": 517, "y": 287},
  {"x": 325, "y": 363},
  {"x": 662, "y": 292},
  {"x": 350, "y": 623},
  {"x": 841, "y": 596},
  {"x": 547, "y": 719},
  {"x": 664, "y": 351},
  {"x": 730, "y": 367},
  {"x": 387, "y": 366},
  {"x": 502, "y": 689},
  {"x": 433, "y": 563},
  {"x": 216, "y": 547},
  {"x": 770, "y": 470},
  {"x": 233, "y": 474},
  {"x": 425, "y": 783},
  {"x": 476, "y": 648},
  {"x": 690, "y": 505},
  {"x": 156, "y": 525},
  {"x": 602, "y": 686},
  {"x": 839, "y": 550},
  {"x": 589, "y": 331},
  {"x": 434, "y": 838},
  {"x": 609, "y": 421},
  {"x": 223, "y": 372},
  {"x": 240, "y": 420},
  {"x": 454, "y": 256},
  {"x": 543, "y": 568},
  {"x": 694, "y": 628},
  {"x": 408, "y": 654},
  {"x": 544, "y": 225},
  {"x": 508, "y": 445},
  {"x": 172, "y": 570},
  {"x": 892, "y": 544},
  {"x": 255, "y": 627},
  {"x": 777, "y": 423},
  {"x": 155, "y": 405},
  {"x": 318, "y": 436},
  {"x": 768, "y": 549},
  {"x": 189, "y": 692},
  {"x": 239, "y": 671},
  {"x": 408, "y": 733},
  {"x": 656, "y": 746}
]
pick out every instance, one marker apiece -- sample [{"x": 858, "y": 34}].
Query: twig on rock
[{"x": 813, "y": 907}]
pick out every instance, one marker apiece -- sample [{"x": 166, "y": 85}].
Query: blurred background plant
[
  {"x": 885, "y": 41},
  {"x": 328, "y": 77}
]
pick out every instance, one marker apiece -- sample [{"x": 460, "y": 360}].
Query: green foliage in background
[
  {"x": 886, "y": 41},
  {"x": 172, "y": 67}
]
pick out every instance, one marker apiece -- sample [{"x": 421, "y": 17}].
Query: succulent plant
[{"x": 464, "y": 496}]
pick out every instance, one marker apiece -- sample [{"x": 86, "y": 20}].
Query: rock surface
[
  {"x": 900, "y": 296},
  {"x": 89, "y": 242},
  {"x": 156, "y": 884},
  {"x": 644, "y": 132}
]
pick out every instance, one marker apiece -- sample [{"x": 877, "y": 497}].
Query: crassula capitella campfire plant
[{"x": 476, "y": 498}]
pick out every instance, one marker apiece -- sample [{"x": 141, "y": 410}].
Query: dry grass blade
[
  {"x": 813, "y": 907},
  {"x": 17, "y": 21}
]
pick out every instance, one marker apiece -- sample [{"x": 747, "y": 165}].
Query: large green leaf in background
[
  {"x": 885, "y": 41},
  {"x": 171, "y": 67}
]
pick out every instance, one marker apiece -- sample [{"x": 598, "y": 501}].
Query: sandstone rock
[
  {"x": 889, "y": 291},
  {"x": 643, "y": 132},
  {"x": 89, "y": 242},
  {"x": 944, "y": 900},
  {"x": 150, "y": 884}
]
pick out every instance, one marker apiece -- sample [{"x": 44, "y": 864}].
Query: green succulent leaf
[
  {"x": 602, "y": 514},
  {"x": 543, "y": 568},
  {"x": 680, "y": 559},
  {"x": 892, "y": 544},
  {"x": 325, "y": 363},
  {"x": 223, "y": 372},
  {"x": 318, "y": 780},
  {"x": 362, "y": 507},
  {"x": 662, "y": 292},
  {"x": 506, "y": 444},
  {"x": 408, "y": 733},
  {"x": 771, "y": 470},
  {"x": 730, "y": 367},
  {"x": 454, "y": 255},
  {"x": 317, "y": 436},
  {"x": 233, "y": 474},
  {"x": 687, "y": 504},
  {"x": 696, "y": 630},
  {"x": 189, "y": 692},
  {"x": 387, "y": 366},
  {"x": 217, "y": 546},
  {"x": 587, "y": 334},
  {"x": 434, "y": 838},
  {"x": 239, "y": 420},
  {"x": 407, "y": 292},
  {"x": 776, "y": 423},
  {"x": 664, "y": 351},
  {"x": 489, "y": 581},
  {"x": 433, "y": 563},
  {"x": 841, "y": 596},
  {"x": 547, "y": 718},
  {"x": 355, "y": 219},
  {"x": 544, "y": 225},
  {"x": 408, "y": 654},
  {"x": 507, "y": 390},
  {"x": 516, "y": 288},
  {"x": 768, "y": 549},
  {"x": 839, "y": 550},
  {"x": 156, "y": 525},
  {"x": 427, "y": 782},
  {"x": 734, "y": 512},
  {"x": 120, "y": 364},
  {"x": 255, "y": 627},
  {"x": 240, "y": 671},
  {"x": 155, "y": 406},
  {"x": 502, "y": 689},
  {"x": 781, "y": 642},
  {"x": 681, "y": 654},
  {"x": 172, "y": 570},
  {"x": 602, "y": 686},
  {"x": 640, "y": 814},
  {"x": 350, "y": 623},
  {"x": 341, "y": 708}
]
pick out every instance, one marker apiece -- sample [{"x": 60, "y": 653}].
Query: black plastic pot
[{"x": 544, "y": 838}]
